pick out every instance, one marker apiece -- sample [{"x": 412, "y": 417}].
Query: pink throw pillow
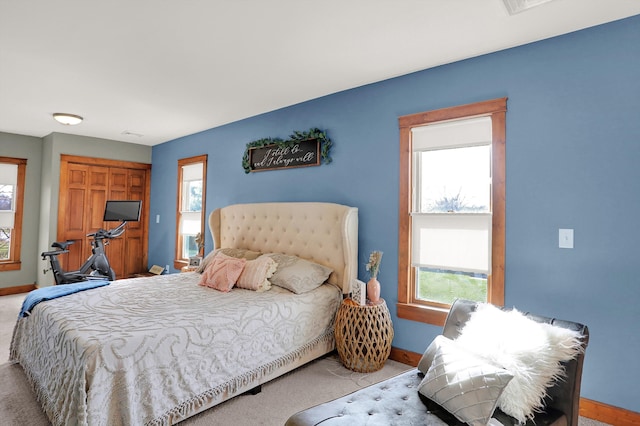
[{"x": 222, "y": 273}]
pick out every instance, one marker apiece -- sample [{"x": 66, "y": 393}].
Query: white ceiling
[{"x": 163, "y": 69}]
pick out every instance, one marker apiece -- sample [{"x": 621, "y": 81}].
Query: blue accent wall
[{"x": 573, "y": 161}]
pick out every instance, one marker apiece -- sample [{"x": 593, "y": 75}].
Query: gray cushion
[
  {"x": 427, "y": 356},
  {"x": 464, "y": 384},
  {"x": 297, "y": 275}
]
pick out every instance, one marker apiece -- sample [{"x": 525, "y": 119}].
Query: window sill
[
  {"x": 10, "y": 266},
  {"x": 422, "y": 313}
]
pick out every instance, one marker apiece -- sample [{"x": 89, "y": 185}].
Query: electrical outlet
[{"x": 166, "y": 268}]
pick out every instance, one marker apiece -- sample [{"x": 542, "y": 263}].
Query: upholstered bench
[{"x": 396, "y": 401}]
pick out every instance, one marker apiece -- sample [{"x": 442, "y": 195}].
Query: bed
[{"x": 157, "y": 350}]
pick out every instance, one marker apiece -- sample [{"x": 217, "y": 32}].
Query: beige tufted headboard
[{"x": 324, "y": 233}]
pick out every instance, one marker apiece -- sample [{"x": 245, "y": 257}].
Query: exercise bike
[{"x": 95, "y": 267}]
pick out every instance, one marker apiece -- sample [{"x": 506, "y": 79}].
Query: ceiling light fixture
[
  {"x": 67, "y": 119},
  {"x": 517, "y": 6}
]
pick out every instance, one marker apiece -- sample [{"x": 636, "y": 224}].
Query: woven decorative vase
[{"x": 363, "y": 336}]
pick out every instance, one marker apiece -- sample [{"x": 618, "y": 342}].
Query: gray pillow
[
  {"x": 297, "y": 275},
  {"x": 427, "y": 357},
  {"x": 464, "y": 384}
]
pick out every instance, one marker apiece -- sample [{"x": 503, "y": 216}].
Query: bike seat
[{"x": 62, "y": 245}]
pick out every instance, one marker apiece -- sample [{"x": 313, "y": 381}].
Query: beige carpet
[{"x": 319, "y": 381}]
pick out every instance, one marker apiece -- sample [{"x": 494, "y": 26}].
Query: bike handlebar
[
  {"x": 44, "y": 254},
  {"x": 112, "y": 233}
]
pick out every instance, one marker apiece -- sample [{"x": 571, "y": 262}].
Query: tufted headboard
[{"x": 324, "y": 233}]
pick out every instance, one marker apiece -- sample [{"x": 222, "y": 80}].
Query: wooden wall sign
[
  {"x": 303, "y": 149},
  {"x": 297, "y": 154}
]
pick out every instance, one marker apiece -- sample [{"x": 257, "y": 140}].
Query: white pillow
[
  {"x": 256, "y": 273},
  {"x": 531, "y": 351},
  {"x": 464, "y": 384}
]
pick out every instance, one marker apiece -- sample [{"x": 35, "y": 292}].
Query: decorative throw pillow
[
  {"x": 232, "y": 252},
  {"x": 427, "y": 357},
  {"x": 298, "y": 275},
  {"x": 222, "y": 273},
  {"x": 256, "y": 274},
  {"x": 531, "y": 351},
  {"x": 464, "y": 384}
]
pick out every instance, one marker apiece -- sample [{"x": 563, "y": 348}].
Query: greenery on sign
[{"x": 296, "y": 137}]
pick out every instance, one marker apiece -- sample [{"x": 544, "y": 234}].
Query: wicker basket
[{"x": 363, "y": 336}]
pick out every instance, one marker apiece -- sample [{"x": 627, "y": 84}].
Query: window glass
[
  {"x": 192, "y": 175},
  {"x": 443, "y": 286},
  {"x": 8, "y": 175},
  {"x": 191, "y": 224},
  {"x": 451, "y": 221},
  {"x": 12, "y": 172},
  {"x": 455, "y": 180}
]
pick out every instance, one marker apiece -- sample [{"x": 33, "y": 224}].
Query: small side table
[
  {"x": 363, "y": 336},
  {"x": 189, "y": 268}
]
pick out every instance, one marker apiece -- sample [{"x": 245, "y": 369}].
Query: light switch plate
[{"x": 565, "y": 238}]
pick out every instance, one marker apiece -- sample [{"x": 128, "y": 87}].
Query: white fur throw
[{"x": 529, "y": 350}]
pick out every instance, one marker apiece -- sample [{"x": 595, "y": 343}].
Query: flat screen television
[{"x": 120, "y": 211}]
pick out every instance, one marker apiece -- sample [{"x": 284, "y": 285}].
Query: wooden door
[
  {"x": 85, "y": 186},
  {"x": 128, "y": 251},
  {"x": 136, "y": 235},
  {"x": 71, "y": 214}
]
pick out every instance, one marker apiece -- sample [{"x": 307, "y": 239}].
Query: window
[
  {"x": 452, "y": 193},
  {"x": 192, "y": 177},
  {"x": 12, "y": 178}
]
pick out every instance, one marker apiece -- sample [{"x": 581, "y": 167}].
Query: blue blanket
[{"x": 47, "y": 293}]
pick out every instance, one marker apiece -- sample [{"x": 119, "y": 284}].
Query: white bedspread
[{"x": 149, "y": 350}]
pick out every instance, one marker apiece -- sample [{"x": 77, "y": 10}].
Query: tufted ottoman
[{"x": 394, "y": 401}]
